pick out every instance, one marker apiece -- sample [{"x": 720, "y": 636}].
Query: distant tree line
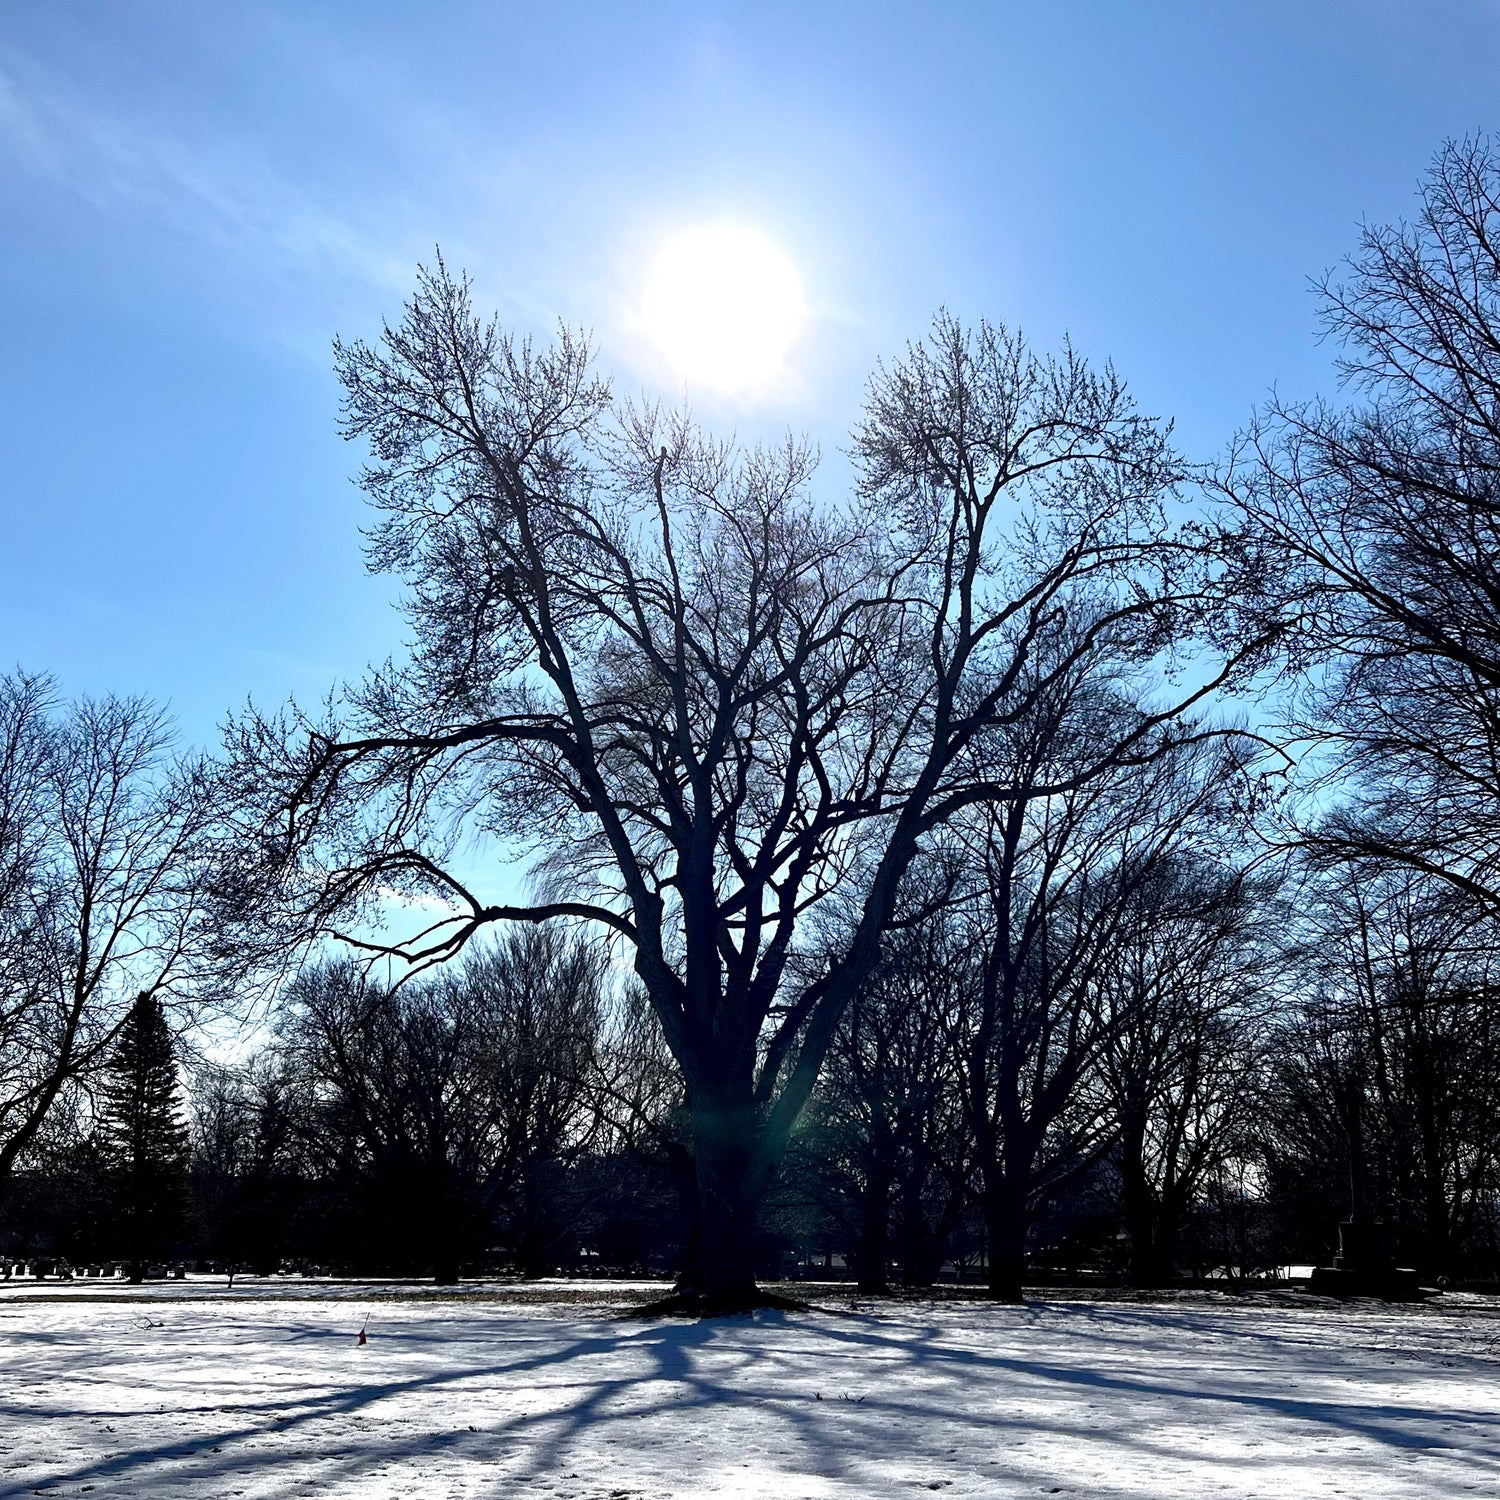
[
  {"x": 1055, "y": 857},
  {"x": 1201, "y": 1113}
]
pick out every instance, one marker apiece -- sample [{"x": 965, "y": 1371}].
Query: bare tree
[
  {"x": 104, "y": 851},
  {"x": 1389, "y": 1090},
  {"x": 1370, "y": 536},
  {"x": 699, "y": 701},
  {"x": 1187, "y": 993},
  {"x": 450, "y": 1102},
  {"x": 254, "y": 1184},
  {"x": 541, "y": 997},
  {"x": 885, "y": 1147},
  {"x": 401, "y": 1118},
  {"x": 1057, "y": 872}
]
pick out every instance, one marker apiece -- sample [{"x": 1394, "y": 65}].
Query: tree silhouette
[
  {"x": 145, "y": 1139},
  {"x": 710, "y": 710},
  {"x": 105, "y": 846},
  {"x": 1371, "y": 542}
]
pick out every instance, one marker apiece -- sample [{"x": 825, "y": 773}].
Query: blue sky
[{"x": 194, "y": 198}]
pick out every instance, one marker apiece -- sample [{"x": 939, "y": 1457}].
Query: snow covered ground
[{"x": 190, "y": 1392}]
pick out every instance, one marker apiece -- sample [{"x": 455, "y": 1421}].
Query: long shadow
[
  {"x": 930, "y": 1350},
  {"x": 302, "y": 1411},
  {"x": 1425, "y": 1328},
  {"x": 673, "y": 1378},
  {"x": 669, "y": 1343}
]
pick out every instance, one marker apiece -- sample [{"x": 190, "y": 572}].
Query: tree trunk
[
  {"x": 539, "y": 1229},
  {"x": 729, "y": 1187},
  {"x": 872, "y": 1255},
  {"x": 727, "y": 1207},
  {"x": 684, "y": 1174},
  {"x": 1142, "y": 1216},
  {"x": 734, "y": 1155},
  {"x": 1005, "y": 1222},
  {"x": 1438, "y": 1236},
  {"x": 1359, "y": 1197},
  {"x": 919, "y": 1248},
  {"x": 1165, "y": 1247},
  {"x": 1440, "y": 1213}
]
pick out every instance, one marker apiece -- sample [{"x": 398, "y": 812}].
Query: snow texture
[{"x": 189, "y": 1393}]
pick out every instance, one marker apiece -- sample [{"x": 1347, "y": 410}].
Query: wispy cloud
[
  {"x": 300, "y": 238},
  {"x": 206, "y": 191}
]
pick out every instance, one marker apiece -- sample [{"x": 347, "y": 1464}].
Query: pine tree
[{"x": 144, "y": 1138}]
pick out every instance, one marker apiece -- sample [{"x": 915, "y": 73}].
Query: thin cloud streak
[{"x": 210, "y": 192}]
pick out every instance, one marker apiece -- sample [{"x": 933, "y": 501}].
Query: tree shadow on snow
[{"x": 646, "y": 1384}]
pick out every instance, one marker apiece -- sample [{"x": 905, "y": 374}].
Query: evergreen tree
[{"x": 144, "y": 1138}]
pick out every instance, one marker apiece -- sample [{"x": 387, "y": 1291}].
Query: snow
[{"x": 186, "y": 1391}]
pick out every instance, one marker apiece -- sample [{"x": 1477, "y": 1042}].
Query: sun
[{"x": 724, "y": 305}]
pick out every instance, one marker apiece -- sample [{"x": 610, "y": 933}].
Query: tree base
[
  {"x": 687, "y": 1303},
  {"x": 1006, "y": 1290}
]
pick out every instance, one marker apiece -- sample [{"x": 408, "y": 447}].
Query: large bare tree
[
  {"x": 1370, "y": 531},
  {"x": 693, "y": 700}
]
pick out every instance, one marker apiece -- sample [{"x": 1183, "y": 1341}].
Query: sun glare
[{"x": 724, "y": 305}]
